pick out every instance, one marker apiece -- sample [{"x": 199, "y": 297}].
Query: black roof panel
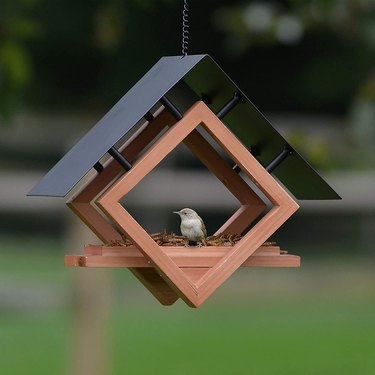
[
  {"x": 121, "y": 118},
  {"x": 184, "y": 81}
]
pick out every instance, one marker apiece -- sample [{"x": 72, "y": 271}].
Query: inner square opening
[{"x": 181, "y": 180}]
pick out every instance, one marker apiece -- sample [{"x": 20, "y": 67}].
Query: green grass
[
  {"x": 275, "y": 337},
  {"x": 34, "y": 343},
  {"x": 317, "y": 327},
  {"x": 31, "y": 260}
]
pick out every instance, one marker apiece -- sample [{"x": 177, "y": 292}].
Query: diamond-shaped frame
[
  {"x": 195, "y": 293},
  {"x": 82, "y": 203}
]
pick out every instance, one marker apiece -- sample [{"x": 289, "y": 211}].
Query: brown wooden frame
[
  {"x": 195, "y": 291},
  {"x": 83, "y": 202}
]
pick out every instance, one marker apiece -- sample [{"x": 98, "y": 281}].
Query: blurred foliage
[
  {"x": 343, "y": 32},
  {"x": 289, "y": 55},
  {"x": 41, "y": 40},
  {"x": 287, "y": 22},
  {"x": 17, "y": 26},
  {"x": 317, "y": 148},
  {"x": 362, "y": 123}
]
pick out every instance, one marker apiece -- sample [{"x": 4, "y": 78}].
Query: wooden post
[{"x": 91, "y": 307}]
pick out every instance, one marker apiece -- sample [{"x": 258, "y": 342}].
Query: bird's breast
[
  {"x": 190, "y": 224},
  {"x": 192, "y": 229}
]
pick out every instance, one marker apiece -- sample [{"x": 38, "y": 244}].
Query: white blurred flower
[
  {"x": 289, "y": 29},
  {"x": 258, "y": 17}
]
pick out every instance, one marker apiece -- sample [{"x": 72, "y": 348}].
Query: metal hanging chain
[{"x": 185, "y": 29}]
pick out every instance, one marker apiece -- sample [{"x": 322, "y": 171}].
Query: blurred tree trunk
[{"x": 91, "y": 307}]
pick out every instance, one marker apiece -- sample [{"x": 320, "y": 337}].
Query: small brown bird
[{"x": 192, "y": 225}]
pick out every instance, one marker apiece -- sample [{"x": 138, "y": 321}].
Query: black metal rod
[
  {"x": 237, "y": 98},
  {"x": 98, "y": 167},
  {"x": 149, "y": 116},
  {"x": 253, "y": 151},
  {"x": 116, "y": 154},
  {"x": 171, "y": 107},
  {"x": 286, "y": 151},
  {"x": 236, "y": 168}
]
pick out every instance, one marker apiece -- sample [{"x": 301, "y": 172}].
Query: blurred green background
[{"x": 309, "y": 66}]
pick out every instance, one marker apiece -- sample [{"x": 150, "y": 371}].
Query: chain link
[{"x": 185, "y": 29}]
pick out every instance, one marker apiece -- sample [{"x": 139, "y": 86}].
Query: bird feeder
[{"x": 186, "y": 100}]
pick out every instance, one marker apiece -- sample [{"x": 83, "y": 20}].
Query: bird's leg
[
  {"x": 189, "y": 243},
  {"x": 194, "y": 243}
]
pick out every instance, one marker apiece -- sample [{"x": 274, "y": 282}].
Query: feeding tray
[
  {"x": 173, "y": 104},
  {"x": 194, "y": 262}
]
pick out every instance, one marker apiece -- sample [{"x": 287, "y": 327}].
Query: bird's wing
[{"x": 203, "y": 227}]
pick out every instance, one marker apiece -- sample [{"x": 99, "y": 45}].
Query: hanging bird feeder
[
  {"x": 170, "y": 105},
  {"x": 184, "y": 99}
]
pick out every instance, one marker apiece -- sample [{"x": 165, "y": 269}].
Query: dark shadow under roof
[{"x": 183, "y": 81}]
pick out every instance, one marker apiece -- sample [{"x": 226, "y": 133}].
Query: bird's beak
[{"x": 176, "y": 212}]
